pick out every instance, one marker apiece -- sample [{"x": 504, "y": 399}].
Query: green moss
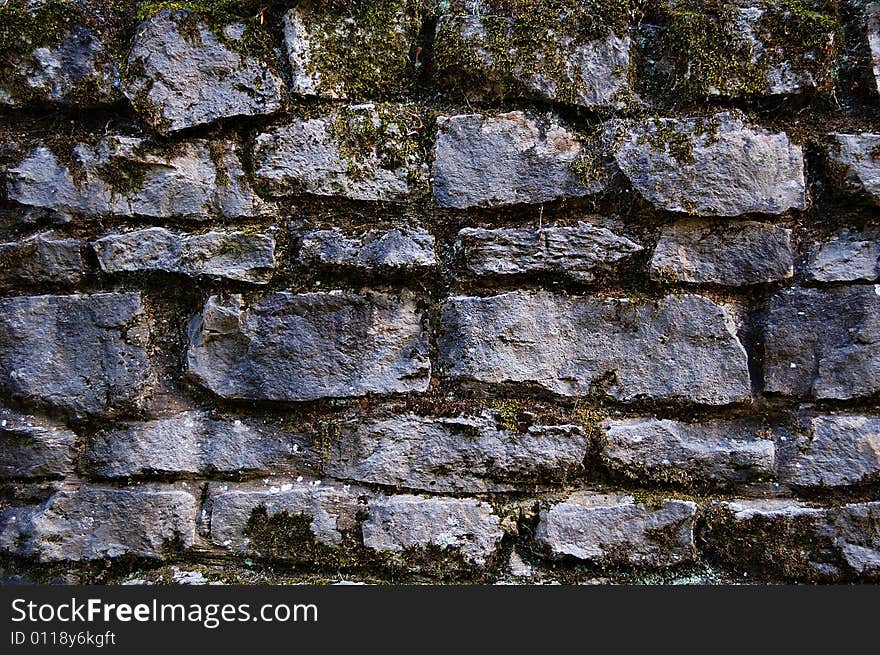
[
  {"x": 123, "y": 175},
  {"x": 509, "y": 414}
]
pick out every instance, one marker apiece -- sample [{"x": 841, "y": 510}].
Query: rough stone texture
[
  {"x": 489, "y": 57},
  {"x": 465, "y": 453},
  {"x": 872, "y": 12},
  {"x": 788, "y": 539},
  {"x": 857, "y": 154},
  {"x": 83, "y": 354},
  {"x": 823, "y": 343},
  {"x": 125, "y": 176},
  {"x": 578, "y": 253},
  {"x": 32, "y": 447},
  {"x": 397, "y": 249},
  {"x": 307, "y": 346},
  {"x": 737, "y": 254},
  {"x": 42, "y": 258},
  {"x": 361, "y": 152},
  {"x": 332, "y": 506},
  {"x": 233, "y": 255},
  {"x": 711, "y": 166},
  {"x": 847, "y": 257},
  {"x": 484, "y": 161},
  {"x": 351, "y": 51},
  {"x": 671, "y": 451},
  {"x": 614, "y": 529},
  {"x": 194, "y": 443},
  {"x": 837, "y": 451},
  {"x": 678, "y": 348},
  {"x": 181, "y": 74},
  {"x": 93, "y": 522},
  {"x": 467, "y": 528}
]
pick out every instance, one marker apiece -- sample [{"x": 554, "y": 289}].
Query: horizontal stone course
[
  {"x": 396, "y": 249},
  {"x": 43, "y": 258},
  {"x": 846, "y": 257}
]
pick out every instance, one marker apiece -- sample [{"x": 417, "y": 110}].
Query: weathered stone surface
[
  {"x": 837, "y": 451},
  {"x": 361, "y": 152},
  {"x": 181, "y": 73},
  {"x": 32, "y": 447},
  {"x": 678, "y": 348},
  {"x": 83, "y": 354},
  {"x": 464, "y": 527},
  {"x": 847, "y": 257},
  {"x": 711, "y": 166},
  {"x": 42, "y": 258},
  {"x": 791, "y": 540},
  {"x": 465, "y": 453},
  {"x": 823, "y": 343},
  {"x": 306, "y": 346},
  {"x": 236, "y": 256},
  {"x": 124, "y": 176},
  {"x": 488, "y": 56},
  {"x": 194, "y": 443},
  {"x": 332, "y": 507},
  {"x": 872, "y": 12},
  {"x": 857, "y": 154},
  {"x": 578, "y": 253},
  {"x": 355, "y": 51},
  {"x": 683, "y": 453},
  {"x": 614, "y": 529},
  {"x": 730, "y": 254},
  {"x": 93, "y": 522},
  {"x": 56, "y": 52},
  {"x": 399, "y": 249},
  {"x": 484, "y": 161}
]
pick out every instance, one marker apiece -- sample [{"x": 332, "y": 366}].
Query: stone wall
[{"x": 419, "y": 290}]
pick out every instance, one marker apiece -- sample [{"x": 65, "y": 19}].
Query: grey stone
[
  {"x": 32, "y": 447},
  {"x": 404, "y": 248},
  {"x": 681, "y": 347},
  {"x": 671, "y": 451},
  {"x": 83, "y": 354},
  {"x": 823, "y": 343},
  {"x": 307, "y": 346},
  {"x": 181, "y": 74},
  {"x": 486, "y": 57},
  {"x": 731, "y": 254},
  {"x": 847, "y": 257},
  {"x": 233, "y": 255},
  {"x": 485, "y": 161},
  {"x": 464, "y": 527},
  {"x": 194, "y": 443},
  {"x": 373, "y": 39},
  {"x": 465, "y": 453},
  {"x": 361, "y": 152},
  {"x": 859, "y": 156},
  {"x": 872, "y": 12},
  {"x": 577, "y": 253},
  {"x": 837, "y": 451},
  {"x": 42, "y": 258},
  {"x": 121, "y": 176},
  {"x": 93, "y": 522},
  {"x": 333, "y": 508},
  {"x": 614, "y": 529},
  {"x": 711, "y": 166},
  {"x": 789, "y": 539}
]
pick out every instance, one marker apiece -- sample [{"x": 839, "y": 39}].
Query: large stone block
[
  {"x": 823, "y": 343},
  {"x": 394, "y": 250},
  {"x": 183, "y": 72},
  {"x": 717, "y": 165},
  {"x": 307, "y": 346},
  {"x": 42, "y": 258},
  {"x": 678, "y": 348},
  {"x": 578, "y": 253},
  {"x": 484, "y": 161},
  {"x": 361, "y": 152},
  {"x": 857, "y": 155},
  {"x": 33, "y": 447},
  {"x": 836, "y": 451},
  {"x": 93, "y": 522},
  {"x": 465, "y": 453},
  {"x": 82, "y": 354},
  {"x": 846, "y": 257},
  {"x": 615, "y": 529}
]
